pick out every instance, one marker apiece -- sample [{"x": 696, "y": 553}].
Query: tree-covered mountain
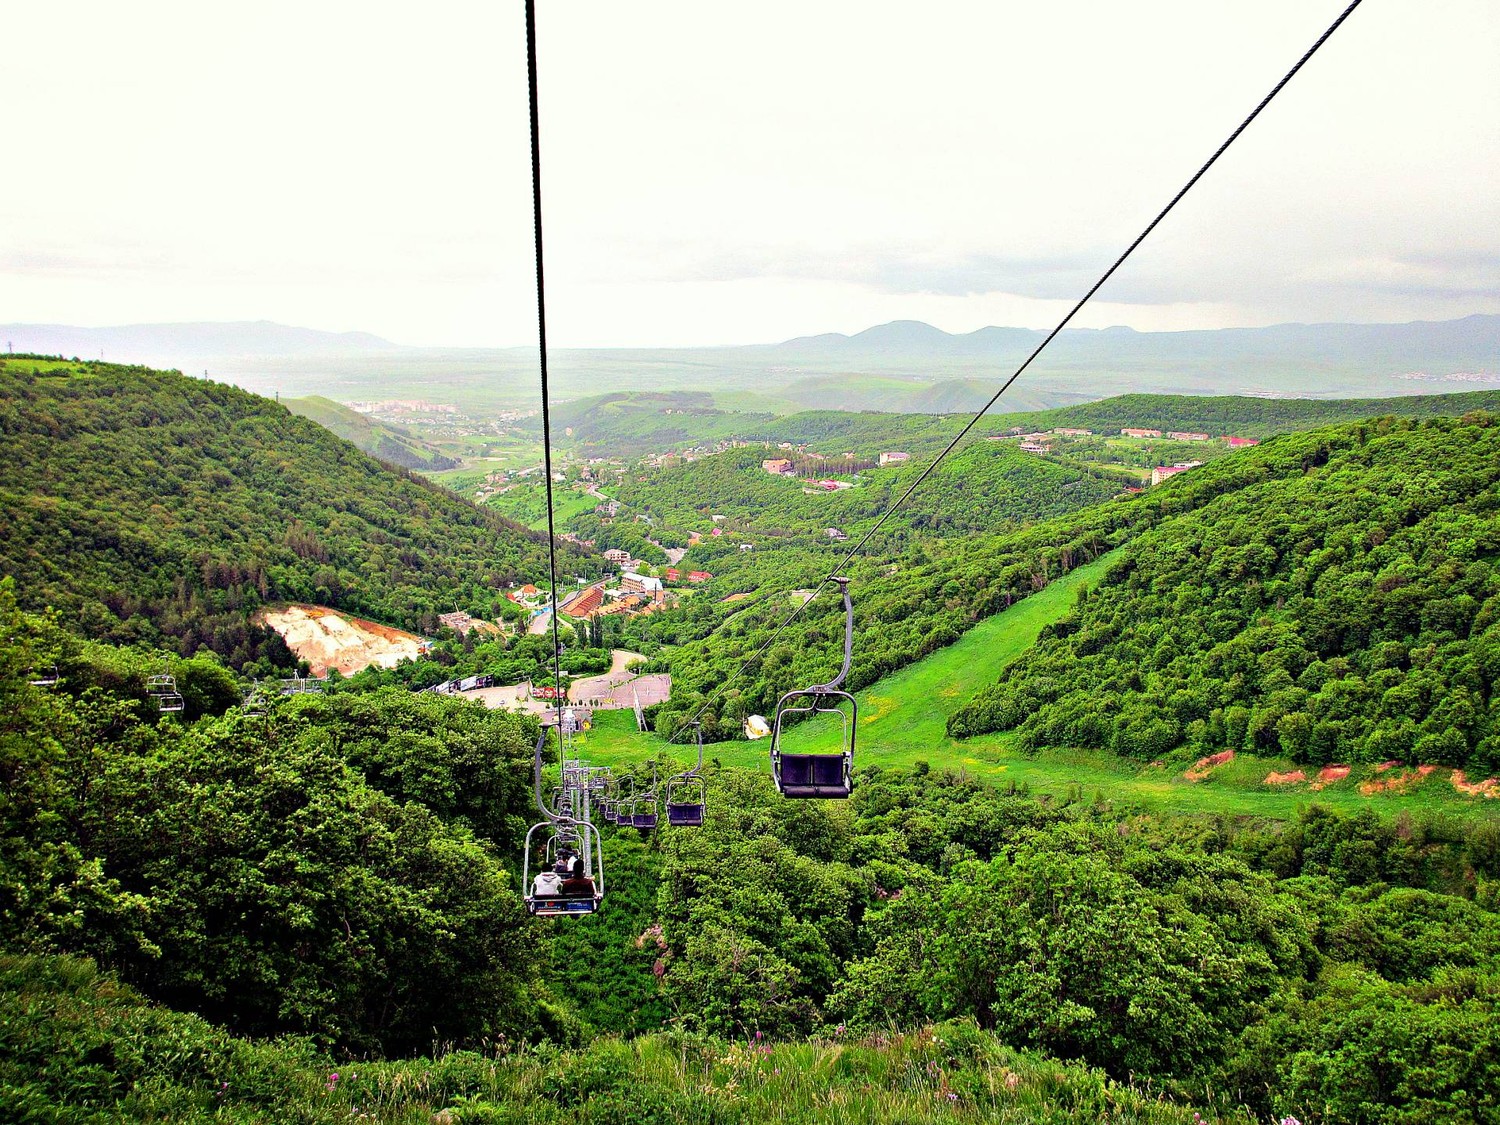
[
  {"x": 1369, "y": 551},
  {"x": 143, "y": 504},
  {"x": 1346, "y": 608}
]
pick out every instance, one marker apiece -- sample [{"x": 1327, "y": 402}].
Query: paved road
[{"x": 595, "y": 687}]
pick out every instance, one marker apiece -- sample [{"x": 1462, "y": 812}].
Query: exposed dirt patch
[
  {"x": 1383, "y": 766},
  {"x": 1328, "y": 775},
  {"x": 736, "y": 597},
  {"x": 327, "y": 639},
  {"x": 1402, "y": 782},
  {"x": 1489, "y": 787},
  {"x": 1203, "y": 766},
  {"x": 1292, "y": 778}
]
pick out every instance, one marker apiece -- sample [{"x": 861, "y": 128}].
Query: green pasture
[{"x": 903, "y": 717}]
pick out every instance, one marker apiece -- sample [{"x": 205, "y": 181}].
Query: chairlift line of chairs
[{"x": 565, "y": 849}]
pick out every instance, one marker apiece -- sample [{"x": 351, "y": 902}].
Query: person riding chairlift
[{"x": 576, "y": 884}]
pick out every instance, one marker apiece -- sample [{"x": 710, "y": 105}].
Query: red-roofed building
[
  {"x": 699, "y": 576},
  {"x": 673, "y": 574},
  {"x": 585, "y": 603},
  {"x": 1240, "y": 442}
]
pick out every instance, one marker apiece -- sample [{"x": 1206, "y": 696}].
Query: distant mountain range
[{"x": 901, "y": 366}]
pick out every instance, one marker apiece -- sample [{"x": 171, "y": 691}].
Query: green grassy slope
[
  {"x": 379, "y": 439},
  {"x": 142, "y": 503},
  {"x": 903, "y": 718}
]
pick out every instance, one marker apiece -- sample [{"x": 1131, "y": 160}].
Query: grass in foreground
[
  {"x": 903, "y": 719},
  {"x": 76, "y": 1045}
]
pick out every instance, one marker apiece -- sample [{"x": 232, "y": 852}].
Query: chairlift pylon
[{"x": 811, "y": 775}]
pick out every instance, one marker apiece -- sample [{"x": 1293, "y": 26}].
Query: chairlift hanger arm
[{"x": 835, "y": 683}]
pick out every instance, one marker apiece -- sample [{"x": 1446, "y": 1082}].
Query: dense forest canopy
[
  {"x": 1439, "y": 475},
  {"x": 145, "y": 505}
]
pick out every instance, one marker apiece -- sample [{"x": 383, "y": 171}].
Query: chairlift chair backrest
[{"x": 644, "y": 814}]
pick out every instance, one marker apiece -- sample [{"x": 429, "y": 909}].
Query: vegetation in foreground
[
  {"x": 75, "y": 1045},
  {"x": 343, "y": 871}
]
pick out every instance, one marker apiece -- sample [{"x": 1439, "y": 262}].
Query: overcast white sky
[{"x": 733, "y": 173}]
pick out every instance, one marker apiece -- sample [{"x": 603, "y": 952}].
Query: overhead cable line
[
  {"x": 974, "y": 421},
  {"x": 541, "y": 318}
]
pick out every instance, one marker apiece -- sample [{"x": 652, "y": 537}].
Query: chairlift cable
[
  {"x": 541, "y": 317},
  {"x": 974, "y": 421}
]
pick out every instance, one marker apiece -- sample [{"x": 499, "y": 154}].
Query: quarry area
[{"x": 328, "y": 639}]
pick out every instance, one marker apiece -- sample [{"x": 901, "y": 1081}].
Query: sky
[{"x": 722, "y": 174}]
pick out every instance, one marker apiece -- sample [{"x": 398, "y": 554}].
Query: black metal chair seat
[
  {"x": 685, "y": 816},
  {"x": 814, "y": 775},
  {"x": 644, "y": 820}
]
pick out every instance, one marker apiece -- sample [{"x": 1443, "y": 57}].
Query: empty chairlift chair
[
  {"x": 43, "y": 677},
  {"x": 685, "y": 792},
  {"x": 810, "y": 775},
  {"x": 644, "y": 814}
]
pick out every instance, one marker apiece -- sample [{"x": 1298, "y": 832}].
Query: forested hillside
[
  {"x": 1348, "y": 610},
  {"x": 628, "y": 424},
  {"x": 143, "y": 504},
  {"x": 986, "y": 487},
  {"x": 1441, "y": 472}
]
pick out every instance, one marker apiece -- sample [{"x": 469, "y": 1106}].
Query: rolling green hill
[
  {"x": 389, "y": 443},
  {"x": 142, "y": 504},
  {"x": 631, "y": 423}
]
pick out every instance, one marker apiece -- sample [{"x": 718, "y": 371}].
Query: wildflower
[
  {"x": 1290, "y": 1120},
  {"x": 952, "y": 1097},
  {"x": 333, "y": 1080},
  {"x": 839, "y": 1030}
]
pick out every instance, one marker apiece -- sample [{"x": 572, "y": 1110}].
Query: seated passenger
[
  {"x": 547, "y": 884},
  {"x": 577, "y": 884}
]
